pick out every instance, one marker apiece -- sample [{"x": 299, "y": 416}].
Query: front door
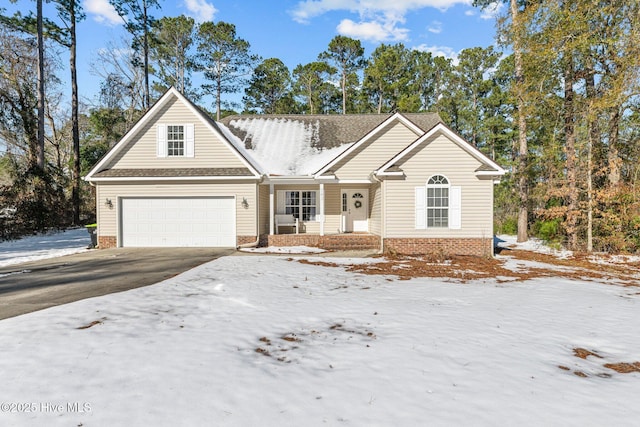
[{"x": 355, "y": 205}]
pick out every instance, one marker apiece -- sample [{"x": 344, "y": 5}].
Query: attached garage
[{"x": 178, "y": 222}]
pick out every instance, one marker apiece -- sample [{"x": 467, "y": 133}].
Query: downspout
[{"x": 257, "y": 242}]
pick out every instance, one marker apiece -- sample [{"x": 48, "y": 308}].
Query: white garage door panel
[{"x": 175, "y": 222}]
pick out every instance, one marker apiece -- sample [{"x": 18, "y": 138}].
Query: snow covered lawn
[
  {"x": 44, "y": 246},
  {"x": 270, "y": 341}
]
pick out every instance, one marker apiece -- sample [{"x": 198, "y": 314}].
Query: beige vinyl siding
[
  {"x": 374, "y": 153},
  {"x": 209, "y": 150},
  {"x": 108, "y": 217},
  {"x": 375, "y": 209},
  {"x": 263, "y": 191},
  {"x": 439, "y": 155}
]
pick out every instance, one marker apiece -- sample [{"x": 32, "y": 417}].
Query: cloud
[
  {"x": 435, "y": 27},
  {"x": 102, "y": 12},
  {"x": 492, "y": 10},
  {"x": 200, "y": 10},
  {"x": 444, "y": 51},
  {"x": 307, "y": 9},
  {"x": 374, "y": 31}
]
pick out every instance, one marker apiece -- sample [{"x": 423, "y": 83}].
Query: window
[
  {"x": 301, "y": 204},
  {"x": 175, "y": 140},
  {"x": 438, "y": 204},
  {"x": 438, "y": 201}
]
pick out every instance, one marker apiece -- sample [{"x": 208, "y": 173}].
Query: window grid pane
[
  {"x": 438, "y": 202},
  {"x": 301, "y": 202},
  {"x": 175, "y": 140}
]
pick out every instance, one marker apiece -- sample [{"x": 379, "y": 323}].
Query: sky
[{"x": 297, "y": 31}]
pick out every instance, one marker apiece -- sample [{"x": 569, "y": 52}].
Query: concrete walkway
[{"x": 37, "y": 285}]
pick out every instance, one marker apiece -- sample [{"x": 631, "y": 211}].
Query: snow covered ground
[
  {"x": 266, "y": 340},
  {"x": 44, "y": 246}
]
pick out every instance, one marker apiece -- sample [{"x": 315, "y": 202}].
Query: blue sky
[{"x": 297, "y": 31}]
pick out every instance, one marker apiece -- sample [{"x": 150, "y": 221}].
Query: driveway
[{"x": 37, "y": 285}]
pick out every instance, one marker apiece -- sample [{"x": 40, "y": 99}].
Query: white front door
[{"x": 355, "y": 205}]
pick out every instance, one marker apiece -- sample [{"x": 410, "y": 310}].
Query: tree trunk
[
  {"x": 523, "y": 151},
  {"x": 75, "y": 194},
  {"x": 594, "y": 135},
  {"x": 40, "y": 36},
  {"x": 344, "y": 92},
  {"x": 145, "y": 42},
  {"x": 570, "y": 153}
]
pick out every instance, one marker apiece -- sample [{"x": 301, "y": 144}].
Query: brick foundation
[
  {"x": 106, "y": 242},
  {"x": 449, "y": 246},
  {"x": 330, "y": 242},
  {"x": 243, "y": 240}
]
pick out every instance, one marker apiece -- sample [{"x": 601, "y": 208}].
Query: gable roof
[
  {"x": 96, "y": 173},
  {"x": 303, "y": 144},
  {"x": 488, "y": 167}
]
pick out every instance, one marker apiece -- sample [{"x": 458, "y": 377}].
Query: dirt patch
[
  {"x": 94, "y": 323},
  {"x": 466, "y": 268},
  {"x": 624, "y": 367},
  {"x": 583, "y": 353}
]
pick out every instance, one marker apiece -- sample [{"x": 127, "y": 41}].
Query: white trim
[
  {"x": 148, "y": 116},
  {"x": 355, "y": 181},
  {"x": 368, "y": 136},
  {"x": 455, "y": 138},
  {"x": 321, "y": 216},
  {"x": 271, "y": 209},
  {"x": 161, "y": 140}
]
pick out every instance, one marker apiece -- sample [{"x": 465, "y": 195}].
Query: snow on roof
[{"x": 282, "y": 146}]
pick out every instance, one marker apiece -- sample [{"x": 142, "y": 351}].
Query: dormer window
[{"x": 175, "y": 140}]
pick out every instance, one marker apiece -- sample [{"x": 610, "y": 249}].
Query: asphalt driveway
[{"x": 37, "y": 285}]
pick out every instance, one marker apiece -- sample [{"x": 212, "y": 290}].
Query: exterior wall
[
  {"x": 373, "y": 154},
  {"x": 263, "y": 215},
  {"x": 108, "y": 216},
  {"x": 375, "y": 209},
  {"x": 439, "y": 155},
  {"x": 439, "y": 246},
  {"x": 209, "y": 151}
]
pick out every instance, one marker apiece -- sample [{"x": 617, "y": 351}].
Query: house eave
[{"x": 172, "y": 178}]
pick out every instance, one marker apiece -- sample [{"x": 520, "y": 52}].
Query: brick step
[{"x": 330, "y": 242}]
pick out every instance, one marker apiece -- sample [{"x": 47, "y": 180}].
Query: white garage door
[{"x": 178, "y": 222}]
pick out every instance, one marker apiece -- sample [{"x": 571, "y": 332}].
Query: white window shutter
[
  {"x": 161, "y": 141},
  {"x": 280, "y": 202},
  {"x": 189, "y": 139},
  {"x": 421, "y": 211},
  {"x": 455, "y": 207}
]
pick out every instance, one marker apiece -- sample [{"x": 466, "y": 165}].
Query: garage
[{"x": 178, "y": 222}]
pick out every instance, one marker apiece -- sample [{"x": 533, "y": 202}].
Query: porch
[{"x": 328, "y": 215}]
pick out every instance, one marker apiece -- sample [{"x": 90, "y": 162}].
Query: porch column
[
  {"x": 271, "y": 209},
  {"x": 322, "y": 209}
]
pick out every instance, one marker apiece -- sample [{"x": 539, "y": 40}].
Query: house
[{"x": 404, "y": 183}]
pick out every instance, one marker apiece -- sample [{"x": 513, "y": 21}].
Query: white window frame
[
  {"x": 437, "y": 201},
  {"x": 453, "y": 204},
  {"x": 188, "y": 140},
  {"x": 176, "y": 146},
  {"x": 284, "y": 207}
]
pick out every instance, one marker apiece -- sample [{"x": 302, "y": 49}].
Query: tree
[
  {"x": 225, "y": 59},
  {"x": 269, "y": 88},
  {"x": 515, "y": 35},
  {"x": 347, "y": 55},
  {"x": 169, "y": 48},
  {"x": 138, "y": 22},
  {"x": 311, "y": 83},
  {"x": 388, "y": 75}
]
